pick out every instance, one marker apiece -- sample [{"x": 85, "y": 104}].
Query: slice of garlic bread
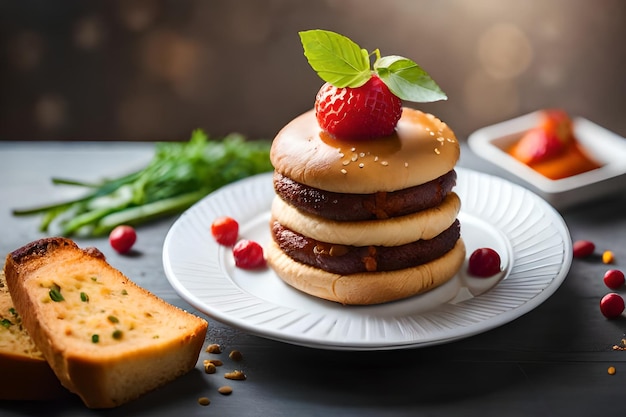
[{"x": 106, "y": 339}]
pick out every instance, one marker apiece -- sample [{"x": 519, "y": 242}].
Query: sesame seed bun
[{"x": 423, "y": 148}]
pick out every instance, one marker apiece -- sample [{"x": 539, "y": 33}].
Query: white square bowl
[{"x": 606, "y": 147}]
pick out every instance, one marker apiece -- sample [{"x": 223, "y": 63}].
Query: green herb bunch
[{"x": 179, "y": 175}]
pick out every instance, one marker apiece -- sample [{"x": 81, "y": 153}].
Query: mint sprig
[{"x": 341, "y": 62}]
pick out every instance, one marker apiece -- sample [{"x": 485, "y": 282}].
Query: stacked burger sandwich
[{"x": 364, "y": 211}]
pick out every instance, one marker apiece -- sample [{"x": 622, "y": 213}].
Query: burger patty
[
  {"x": 342, "y": 259},
  {"x": 356, "y": 207}
]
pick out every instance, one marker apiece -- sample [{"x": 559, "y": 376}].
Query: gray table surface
[{"x": 551, "y": 361}]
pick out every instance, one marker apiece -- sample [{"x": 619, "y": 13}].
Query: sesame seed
[
  {"x": 361, "y": 165},
  {"x": 354, "y": 157},
  {"x": 376, "y": 158},
  {"x": 362, "y": 154},
  {"x": 343, "y": 171},
  {"x": 345, "y": 163},
  {"x": 406, "y": 164},
  {"x": 437, "y": 151},
  {"x": 384, "y": 163}
]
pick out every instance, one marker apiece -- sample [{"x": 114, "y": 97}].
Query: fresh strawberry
[
  {"x": 551, "y": 138},
  {"x": 361, "y": 100},
  {"x": 368, "y": 111}
]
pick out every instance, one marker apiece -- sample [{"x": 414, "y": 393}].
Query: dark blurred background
[{"x": 157, "y": 69}]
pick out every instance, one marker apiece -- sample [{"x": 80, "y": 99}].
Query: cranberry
[
  {"x": 225, "y": 230},
  {"x": 583, "y": 248},
  {"x": 248, "y": 254},
  {"x": 122, "y": 238},
  {"x": 612, "y": 305},
  {"x": 614, "y": 278},
  {"x": 484, "y": 262}
]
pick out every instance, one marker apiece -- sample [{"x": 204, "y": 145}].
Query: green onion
[
  {"x": 113, "y": 319},
  {"x": 6, "y": 323},
  {"x": 179, "y": 175},
  {"x": 55, "y": 294},
  {"x": 95, "y": 338},
  {"x": 117, "y": 334},
  {"x": 84, "y": 297}
]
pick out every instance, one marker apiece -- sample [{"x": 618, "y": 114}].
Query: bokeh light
[{"x": 156, "y": 70}]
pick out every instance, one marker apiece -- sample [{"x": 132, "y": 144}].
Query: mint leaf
[
  {"x": 336, "y": 59},
  {"x": 408, "y": 80},
  {"x": 341, "y": 62}
]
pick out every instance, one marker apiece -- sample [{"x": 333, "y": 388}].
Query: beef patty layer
[
  {"x": 356, "y": 207},
  {"x": 341, "y": 259}
]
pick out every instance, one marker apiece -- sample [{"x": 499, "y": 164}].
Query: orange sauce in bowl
[
  {"x": 552, "y": 149},
  {"x": 573, "y": 161}
]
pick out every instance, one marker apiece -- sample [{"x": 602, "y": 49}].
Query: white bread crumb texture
[{"x": 98, "y": 312}]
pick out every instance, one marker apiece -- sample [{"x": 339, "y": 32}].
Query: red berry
[
  {"x": 583, "y": 248},
  {"x": 612, "y": 305},
  {"x": 225, "y": 230},
  {"x": 614, "y": 279},
  {"x": 484, "y": 262},
  {"x": 368, "y": 111},
  {"x": 248, "y": 254},
  {"x": 122, "y": 238}
]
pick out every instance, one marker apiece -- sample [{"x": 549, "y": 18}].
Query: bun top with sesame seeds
[{"x": 421, "y": 149}]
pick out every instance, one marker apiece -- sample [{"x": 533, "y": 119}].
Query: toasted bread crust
[{"x": 160, "y": 342}]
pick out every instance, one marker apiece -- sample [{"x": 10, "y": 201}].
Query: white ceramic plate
[
  {"x": 529, "y": 234},
  {"x": 603, "y": 145}
]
